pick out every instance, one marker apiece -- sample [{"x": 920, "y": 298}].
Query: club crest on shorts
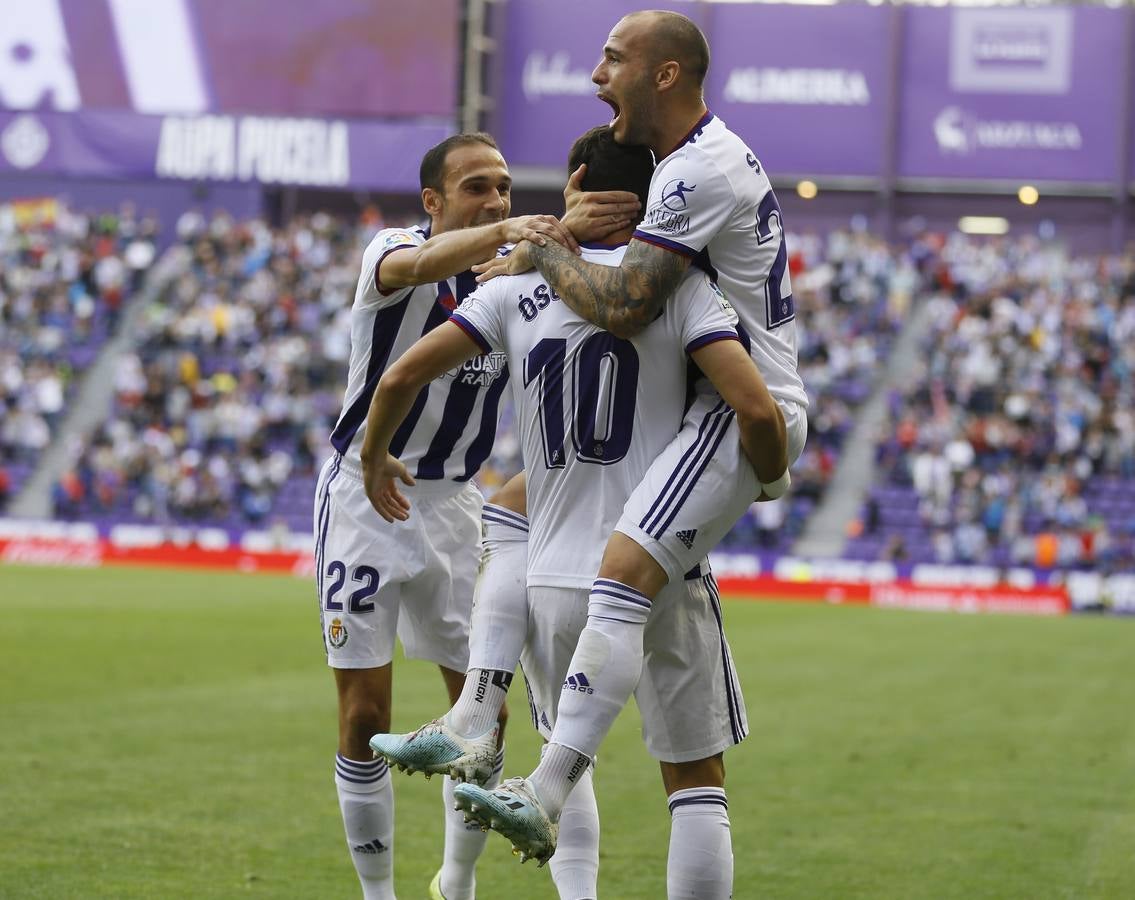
[{"x": 337, "y": 633}]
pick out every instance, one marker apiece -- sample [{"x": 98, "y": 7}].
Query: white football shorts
[
  {"x": 689, "y": 695},
  {"x": 700, "y": 485},
  {"x": 413, "y": 579}
]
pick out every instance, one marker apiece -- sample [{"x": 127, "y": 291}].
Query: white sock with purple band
[
  {"x": 499, "y": 623},
  {"x": 366, "y": 801},
  {"x": 601, "y": 678},
  {"x": 700, "y": 864},
  {"x": 575, "y": 865},
  {"x": 463, "y": 843}
]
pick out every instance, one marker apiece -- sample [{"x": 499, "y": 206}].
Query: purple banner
[
  {"x": 331, "y": 153},
  {"x": 285, "y": 57},
  {"x": 1012, "y": 93},
  {"x": 806, "y": 87},
  {"x": 546, "y": 97}
]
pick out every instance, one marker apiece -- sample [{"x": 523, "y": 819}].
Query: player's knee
[
  {"x": 708, "y": 772},
  {"x": 626, "y": 562}
]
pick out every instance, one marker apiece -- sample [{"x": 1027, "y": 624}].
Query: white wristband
[{"x": 775, "y": 489}]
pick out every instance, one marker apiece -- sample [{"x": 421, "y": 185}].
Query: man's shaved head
[{"x": 673, "y": 36}]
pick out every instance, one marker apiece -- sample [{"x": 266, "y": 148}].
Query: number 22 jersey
[{"x": 593, "y": 410}]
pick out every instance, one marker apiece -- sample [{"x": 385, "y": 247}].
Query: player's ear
[
  {"x": 432, "y": 201},
  {"x": 666, "y": 75}
]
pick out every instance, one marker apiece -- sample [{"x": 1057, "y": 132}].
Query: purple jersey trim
[
  {"x": 712, "y": 338},
  {"x": 470, "y": 329},
  {"x": 665, "y": 243},
  {"x": 599, "y": 245},
  {"x": 386, "y": 292},
  {"x": 693, "y": 133}
]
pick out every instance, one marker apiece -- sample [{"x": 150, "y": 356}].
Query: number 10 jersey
[{"x": 593, "y": 410}]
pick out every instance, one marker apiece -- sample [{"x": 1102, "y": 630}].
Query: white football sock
[
  {"x": 482, "y": 697},
  {"x": 560, "y": 770},
  {"x": 366, "y": 801},
  {"x": 601, "y": 678},
  {"x": 499, "y": 621},
  {"x": 463, "y": 843},
  {"x": 700, "y": 865},
  {"x": 575, "y": 864}
]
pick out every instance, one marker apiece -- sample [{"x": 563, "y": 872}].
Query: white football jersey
[
  {"x": 710, "y": 200},
  {"x": 593, "y": 410},
  {"x": 451, "y": 427}
]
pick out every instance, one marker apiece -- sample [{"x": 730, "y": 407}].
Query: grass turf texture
[{"x": 171, "y": 734}]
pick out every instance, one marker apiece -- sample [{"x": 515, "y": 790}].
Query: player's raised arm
[
  {"x": 444, "y": 348},
  {"x": 764, "y": 438},
  {"x": 451, "y": 252}
]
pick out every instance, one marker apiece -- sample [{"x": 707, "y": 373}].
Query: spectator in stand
[
  {"x": 225, "y": 401},
  {"x": 58, "y": 288},
  {"x": 1020, "y": 417}
]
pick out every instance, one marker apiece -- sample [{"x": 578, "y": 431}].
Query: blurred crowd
[
  {"x": 1017, "y": 431},
  {"x": 64, "y": 277},
  {"x": 239, "y": 367},
  {"x": 853, "y": 292},
  {"x": 1012, "y": 442}
]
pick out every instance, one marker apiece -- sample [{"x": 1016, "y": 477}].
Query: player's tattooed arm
[{"x": 622, "y": 300}]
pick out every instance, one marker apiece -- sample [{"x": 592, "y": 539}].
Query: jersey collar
[{"x": 693, "y": 134}]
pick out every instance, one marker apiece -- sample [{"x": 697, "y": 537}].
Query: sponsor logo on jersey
[
  {"x": 670, "y": 222},
  {"x": 397, "y": 239},
  {"x": 480, "y": 370},
  {"x": 674, "y": 194},
  {"x": 337, "y": 633}
]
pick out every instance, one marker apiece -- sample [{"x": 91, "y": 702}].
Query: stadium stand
[
  {"x": 220, "y": 413},
  {"x": 853, "y": 293},
  {"x": 1014, "y": 443},
  {"x": 64, "y": 278}
]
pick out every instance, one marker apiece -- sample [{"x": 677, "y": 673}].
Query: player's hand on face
[
  {"x": 591, "y": 215},
  {"x": 381, "y": 483},
  {"x": 539, "y": 230},
  {"x": 516, "y": 263}
]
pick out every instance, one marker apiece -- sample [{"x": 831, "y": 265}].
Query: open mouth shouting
[{"x": 614, "y": 107}]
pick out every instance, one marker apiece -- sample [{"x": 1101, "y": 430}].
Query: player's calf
[{"x": 364, "y": 708}]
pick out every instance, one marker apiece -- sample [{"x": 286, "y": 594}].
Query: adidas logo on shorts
[
  {"x": 578, "y": 682},
  {"x": 687, "y": 537}
]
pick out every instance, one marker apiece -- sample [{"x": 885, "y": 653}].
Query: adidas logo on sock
[
  {"x": 578, "y": 682},
  {"x": 375, "y": 846},
  {"x": 687, "y": 537}
]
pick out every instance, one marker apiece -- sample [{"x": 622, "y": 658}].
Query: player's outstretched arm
[
  {"x": 622, "y": 300},
  {"x": 450, "y": 252},
  {"x": 736, "y": 377},
  {"x": 444, "y": 348}
]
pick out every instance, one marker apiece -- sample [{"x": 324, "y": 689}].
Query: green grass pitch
[{"x": 169, "y": 734}]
